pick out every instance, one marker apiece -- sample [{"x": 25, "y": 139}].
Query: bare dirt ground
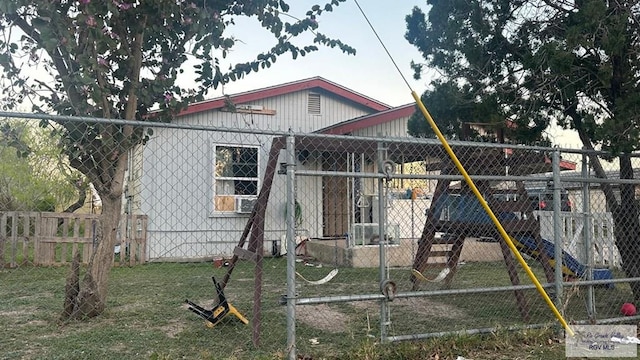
[{"x": 325, "y": 318}]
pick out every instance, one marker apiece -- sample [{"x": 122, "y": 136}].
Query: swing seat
[
  {"x": 441, "y": 276},
  {"x": 219, "y": 311},
  {"x": 324, "y": 280}
]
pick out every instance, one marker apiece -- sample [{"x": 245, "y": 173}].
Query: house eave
[{"x": 287, "y": 88}]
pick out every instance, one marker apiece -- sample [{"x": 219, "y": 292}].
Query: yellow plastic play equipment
[{"x": 443, "y": 274}]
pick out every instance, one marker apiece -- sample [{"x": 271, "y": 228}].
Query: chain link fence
[{"x": 315, "y": 242}]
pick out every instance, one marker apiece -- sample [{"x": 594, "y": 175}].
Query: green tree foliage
[
  {"x": 452, "y": 105},
  {"x": 32, "y": 175},
  {"x": 120, "y": 59},
  {"x": 576, "y": 62}
]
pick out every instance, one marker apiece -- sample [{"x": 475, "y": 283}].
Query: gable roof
[
  {"x": 348, "y": 126},
  {"x": 287, "y": 88}
]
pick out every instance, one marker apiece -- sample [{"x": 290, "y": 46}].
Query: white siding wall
[
  {"x": 396, "y": 128},
  {"x": 291, "y": 113},
  {"x": 177, "y": 179},
  {"x": 178, "y": 195},
  {"x": 597, "y": 200}
]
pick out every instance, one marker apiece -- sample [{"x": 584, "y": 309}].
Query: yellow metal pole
[{"x": 493, "y": 217}]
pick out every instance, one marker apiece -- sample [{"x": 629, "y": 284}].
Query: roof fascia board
[{"x": 287, "y": 88}]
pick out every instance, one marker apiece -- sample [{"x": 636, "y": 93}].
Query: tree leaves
[
  {"x": 94, "y": 40},
  {"x": 576, "y": 62},
  {"x": 32, "y": 174},
  {"x": 102, "y": 54}
]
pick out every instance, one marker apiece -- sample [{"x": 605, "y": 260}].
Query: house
[
  {"x": 198, "y": 186},
  {"x": 198, "y": 179}
]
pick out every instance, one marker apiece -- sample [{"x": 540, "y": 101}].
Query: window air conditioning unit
[{"x": 245, "y": 205}]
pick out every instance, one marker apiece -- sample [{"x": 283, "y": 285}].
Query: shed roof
[{"x": 477, "y": 158}]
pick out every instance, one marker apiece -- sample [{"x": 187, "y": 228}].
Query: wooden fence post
[{"x": 3, "y": 237}]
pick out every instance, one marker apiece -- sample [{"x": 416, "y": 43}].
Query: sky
[{"x": 370, "y": 72}]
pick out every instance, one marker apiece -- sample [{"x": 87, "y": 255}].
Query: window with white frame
[{"x": 235, "y": 177}]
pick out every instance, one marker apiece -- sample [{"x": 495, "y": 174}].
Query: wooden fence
[{"x": 50, "y": 239}]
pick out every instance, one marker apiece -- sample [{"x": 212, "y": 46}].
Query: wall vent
[{"x": 314, "y": 104}]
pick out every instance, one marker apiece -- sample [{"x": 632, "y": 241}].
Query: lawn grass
[
  {"x": 533, "y": 344},
  {"x": 146, "y": 316}
]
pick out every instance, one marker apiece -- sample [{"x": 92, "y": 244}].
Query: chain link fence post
[
  {"x": 557, "y": 230},
  {"x": 382, "y": 215},
  {"x": 587, "y": 227},
  {"x": 291, "y": 248}
]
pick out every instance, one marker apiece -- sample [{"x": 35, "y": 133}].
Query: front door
[{"x": 335, "y": 201}]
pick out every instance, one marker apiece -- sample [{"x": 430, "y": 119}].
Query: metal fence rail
[
  {"x": 431, "y": 222},
  {"x": 316, "y": 236}
]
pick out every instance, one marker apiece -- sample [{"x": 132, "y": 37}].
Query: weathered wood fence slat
[{"x": 52, "y": 239}]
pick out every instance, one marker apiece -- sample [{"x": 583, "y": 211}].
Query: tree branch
[
  {"x": 82, "y": 196},
  {"x": 55, "y": 54}
]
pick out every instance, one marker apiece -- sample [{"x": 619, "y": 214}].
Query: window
[
  {"x": 235, "y": 176},
  {"x": 313, "y": 104}
]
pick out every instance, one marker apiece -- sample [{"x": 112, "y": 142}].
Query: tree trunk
[
  {"x": 627, "y": 226},
  {"x": 625, "y": 213},
  {"x": 72, "y": 288},
  {"x": 92, "y": 296}
]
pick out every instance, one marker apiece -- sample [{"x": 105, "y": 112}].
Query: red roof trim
[
  {"x": 366, "y": 121},
  {"x": 564, "y": 164},
  {"x": 313, "y": 83},
  {"x": 567, "y": 165}
]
